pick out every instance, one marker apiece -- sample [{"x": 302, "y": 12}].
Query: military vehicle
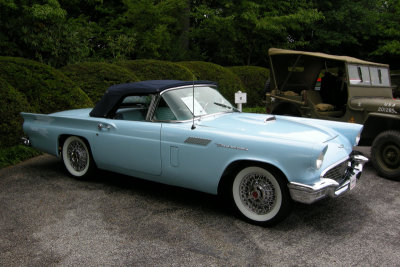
[
  {"x": 339, "y": 88},
  {"x": 395, "y": 79}
]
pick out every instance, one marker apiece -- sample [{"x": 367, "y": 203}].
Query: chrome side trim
[{"x": 232, "y": 147}]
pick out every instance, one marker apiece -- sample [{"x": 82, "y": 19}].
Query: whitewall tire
[
  {"x": 77, "y": 158},
  {"x": 260, "y": 195}
]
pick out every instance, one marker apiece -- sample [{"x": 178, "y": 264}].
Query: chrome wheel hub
[
  {"x": 257, "y": 193},
  {"x": 391, "y": 156}
]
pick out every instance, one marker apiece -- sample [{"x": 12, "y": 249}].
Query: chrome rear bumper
[
  {"x": 26, "y": 141},
  {"x": 328, "y": 187}
]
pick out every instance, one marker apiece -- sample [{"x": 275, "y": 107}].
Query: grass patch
[
  {"x": 13, "y": 155},
  {"x": 254, "y": 110}
]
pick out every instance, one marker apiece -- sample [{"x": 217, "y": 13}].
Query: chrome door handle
[{"x": 101, "y": 126}]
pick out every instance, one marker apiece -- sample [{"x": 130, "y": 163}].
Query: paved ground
[{"x": 50, "y": 219}]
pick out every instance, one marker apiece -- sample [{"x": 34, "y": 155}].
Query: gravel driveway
[{"x": 50, "y": 219}]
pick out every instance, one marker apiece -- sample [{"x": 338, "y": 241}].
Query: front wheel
[
  {"x": 260, "y": 196},
  {"x": 77, "y": 158},
  {"x": 385, "y": 154}
]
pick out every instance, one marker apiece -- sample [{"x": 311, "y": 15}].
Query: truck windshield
[{"x": 368, "y": 75}]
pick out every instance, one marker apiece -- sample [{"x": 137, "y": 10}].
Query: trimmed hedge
[
  {"x": 15, "y": 154},
  {"x": 149, "y": 69},
  {"x": 254, "y": 80},
  {"x": 46, "y": 89},
  {"x": 228, "y": 82},
  {"x": 30, "y": 86},
  {"x": 95, "y": 77},
  {"x": 12, "y": 102}
]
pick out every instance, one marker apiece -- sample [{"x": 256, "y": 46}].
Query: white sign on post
[{"x": 240, "y": 98}]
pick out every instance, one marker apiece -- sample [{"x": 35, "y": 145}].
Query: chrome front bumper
[{"x": 328, "y": 187}]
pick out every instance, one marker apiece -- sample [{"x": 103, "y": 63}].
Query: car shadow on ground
[{"x": 330, "y": 216}]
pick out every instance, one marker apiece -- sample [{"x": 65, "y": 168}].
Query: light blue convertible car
[{"x": 187, "y": 134}]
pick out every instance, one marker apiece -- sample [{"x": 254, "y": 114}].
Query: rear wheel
[
  {"x": 77, "y": 158},
  {"x": 260, "y": 196},
  {"x": 385, "y": 154}
]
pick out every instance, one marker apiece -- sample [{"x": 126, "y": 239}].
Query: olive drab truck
[{"x": 339, "y": 88}]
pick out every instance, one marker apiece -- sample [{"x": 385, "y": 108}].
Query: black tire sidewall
[{"x": 380, "y": 142}]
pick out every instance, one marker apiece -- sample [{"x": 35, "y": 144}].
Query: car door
[{"x": 128, "y": 146}]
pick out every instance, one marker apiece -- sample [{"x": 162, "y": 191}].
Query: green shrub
[
  {"x": 148, "y": 69},
  {"x": 46, "y": 89},
  {"x": 253, "y": 79},
  {"x": 228, "y": 82},
  {"x": 15, "y": 154},
  {"x": 12, "y": 102},
  {"x": 95, "y": 77}
]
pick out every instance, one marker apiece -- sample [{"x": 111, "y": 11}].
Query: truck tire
[{"x": 385, "y": 154}]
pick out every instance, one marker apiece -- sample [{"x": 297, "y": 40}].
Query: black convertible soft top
[{"x": 116, "y": 93}]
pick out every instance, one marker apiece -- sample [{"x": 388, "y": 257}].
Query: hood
[{"x": 269, "y": 126}]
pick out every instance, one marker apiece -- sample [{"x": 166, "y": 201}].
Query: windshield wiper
[{"x": 226, "y": 106}]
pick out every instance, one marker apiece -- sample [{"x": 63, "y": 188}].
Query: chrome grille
[{"x": 337, "y": 172}]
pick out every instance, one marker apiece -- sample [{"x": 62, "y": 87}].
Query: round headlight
[
  {"x": 358, "y": 137},
  {"x": 320, "y": 159}
]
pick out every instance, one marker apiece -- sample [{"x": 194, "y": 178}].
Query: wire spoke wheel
[
  {"x": 260, "y": 196},
  {"x": 258, "y": 193},
  {"x": 76, "y": 157}
]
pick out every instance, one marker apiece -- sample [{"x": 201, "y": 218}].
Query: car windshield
[{"x": 207, "y": 100}]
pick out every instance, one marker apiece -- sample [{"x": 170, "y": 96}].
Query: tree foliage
[
  {"x": 241, "y": 32},
  {"x": 363, "y": 28},
  {"x": 41, "y": 30},
  {"x": 61, "y": 32}
]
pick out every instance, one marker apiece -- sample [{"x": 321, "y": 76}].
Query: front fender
[
  {"x": 349, "y": 130},
  {"x": 295, "y": 160},
  {"x": 377, "y": 123}
]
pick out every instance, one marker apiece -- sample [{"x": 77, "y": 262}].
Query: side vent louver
[{"x": 197, "y": 141}]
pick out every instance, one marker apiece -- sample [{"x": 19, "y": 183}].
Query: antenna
[{"x": 193, "y": 126}]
